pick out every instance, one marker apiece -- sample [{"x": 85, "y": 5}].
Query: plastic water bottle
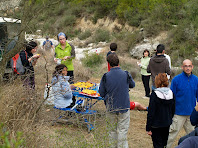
[{"x": 58, "y": 61}]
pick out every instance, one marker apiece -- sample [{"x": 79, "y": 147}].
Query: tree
[{"x": 28, "y": 13}]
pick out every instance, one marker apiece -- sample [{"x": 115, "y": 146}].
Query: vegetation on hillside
[
  {"x": 28, "y": 114},
  {"x": 178, "y": 17}
]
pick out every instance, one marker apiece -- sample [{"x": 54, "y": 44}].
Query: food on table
[{"x": 84, "y": 85}]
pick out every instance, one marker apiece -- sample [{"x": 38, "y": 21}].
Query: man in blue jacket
[
  {"x": 185, "y": 89},
  {"x": 114, "y": 88}
]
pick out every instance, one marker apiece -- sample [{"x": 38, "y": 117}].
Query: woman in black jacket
[
  {"x": 160, "y": 111},
  {"x": 29, "y": 60}
]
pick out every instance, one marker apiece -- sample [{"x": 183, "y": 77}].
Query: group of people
[{"x": 169, "y": 108}]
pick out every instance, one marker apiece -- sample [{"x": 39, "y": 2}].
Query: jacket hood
[
  {"x": 164, "y": 93},
  {"x": 159, "y": 58}
]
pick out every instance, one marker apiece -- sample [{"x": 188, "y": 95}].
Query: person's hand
[
  {"x": 149, "y": 133},
  {"x": 55, "y": 60},
  {"x": 139, "y": 64},
  {"x": 36, "y": 56},
  {"x": 196, "y": 107},
  {"x": 72, "y": 87},
  {"x": 65, "y": 58}
]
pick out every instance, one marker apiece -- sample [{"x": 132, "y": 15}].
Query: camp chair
[{"x": 74, "y": 115}]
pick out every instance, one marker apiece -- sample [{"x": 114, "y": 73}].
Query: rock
[{"x": 137, "y": 51}]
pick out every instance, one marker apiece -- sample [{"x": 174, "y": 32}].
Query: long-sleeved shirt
[
  {"x": 68, "y": 51},
  {"x": 144, "y": 65},
  {"x": 158, "y": 64},
  {"x": 185, "y": 89},
  {"x": 61, "y": 91},
  {"x": 161, "y": 108},
  {"x": 114, "y": 88}
]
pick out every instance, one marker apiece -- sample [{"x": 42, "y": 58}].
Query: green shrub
[
  {"x": 131, "y": 39},
  {"x": 85, "y": 35},
  {"x": 92, "y": 60},
  {"x": 133, "y": 18},
  {"x": 71, "y": 32},
  {"x": 6, "y": 142},
  {"x": 69, "y": 20},
  {"x": 101, "y": 35},
  {"x": 184, "y": 39}
]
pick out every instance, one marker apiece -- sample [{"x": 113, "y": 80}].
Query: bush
[
  {"x": 133, "y": 19},
  {"x": 71, "y": 32},
  {"x": 69, "y": 20},
  {"x": 81, "y": 72},
  {"x": 85, "y": 35},
  {"x": 101, "y": 35},
  {"x": 92, "y": 60},
  {"x": 183, "y": 39},
  {"x": 6, "y": 142}
]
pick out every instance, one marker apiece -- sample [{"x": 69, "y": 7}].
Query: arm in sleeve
[
  {"x": 194, "y": 117},
  {"x": 73, "y": 54},
  {"x": 168, "y": 71},
  {"x": 173, "y": 87},
  {"x": 148, "y": 67},
  {"x": 102, "y": 89},
  {"x": 173, "y": 107},
  {"x": 131, "y": 81},
  {"x": 197, "y": 92},
  {"x": 65, "y": 87},
  {"x": 44, "y": 43},
  {"x": 24, "y": 59},
  {"x": 144, "y": 66},
  {"x": 151, "y": 112}
]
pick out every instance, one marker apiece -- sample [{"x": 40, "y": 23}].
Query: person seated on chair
[{"x": 61, "y": 88}]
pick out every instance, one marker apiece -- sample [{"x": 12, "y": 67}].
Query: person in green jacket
[
  {"x": 64, "y": 54},
  {"x": 145, "y": 76}
]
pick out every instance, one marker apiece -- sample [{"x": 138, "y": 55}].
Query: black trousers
[
  {"x": 71, "y": 74},
  {"x": 160, "y": 136},
  {"x": 71, "y": 81},
  {"x": 145, "y": 80}
]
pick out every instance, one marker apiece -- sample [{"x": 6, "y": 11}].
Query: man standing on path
[
  {"x": 48, "y": 45},
  {"x": 185, "y": 89},
  {"x": 114, "y": 88},
  {"x": 158, "y": 64}
]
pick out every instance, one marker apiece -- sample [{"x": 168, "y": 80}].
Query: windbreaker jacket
[
  {"x": 114, "y": 88},
  {"x": 68, "y": 51},
  {"x": 61, "y": 91},
  {"x": 185, "y": 89},
  {"x": 161, "y": 109},
  {"x": 158, "y": 64}
]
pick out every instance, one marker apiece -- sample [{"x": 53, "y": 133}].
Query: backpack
[
  {"x": 47, "y": 45},
  {"x": 17, "y": 65}
]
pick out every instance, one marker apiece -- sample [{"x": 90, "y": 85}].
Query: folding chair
[{"x": 75, "y": 115}]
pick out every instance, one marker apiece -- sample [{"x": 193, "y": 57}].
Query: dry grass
[{"x": 19, "y": 113}]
